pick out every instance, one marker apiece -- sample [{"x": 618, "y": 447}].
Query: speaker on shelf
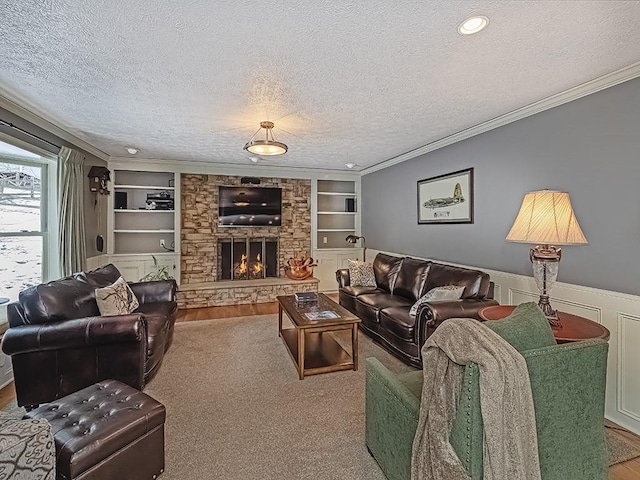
[
  {"x": 120, "y": 200},
  {"x": 250, "y": 180},
  {"x": 350, "y": 205}
]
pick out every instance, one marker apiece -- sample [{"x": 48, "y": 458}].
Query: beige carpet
[{"x": 236, "y": 409}]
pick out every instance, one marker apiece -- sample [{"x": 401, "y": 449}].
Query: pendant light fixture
[{"x": 268, "y": 146}]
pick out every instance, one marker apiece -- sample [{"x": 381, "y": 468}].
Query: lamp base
[{"x": 550, "y": 313}]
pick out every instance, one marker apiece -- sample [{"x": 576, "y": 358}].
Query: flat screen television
[{"x": 250, "y": 206}]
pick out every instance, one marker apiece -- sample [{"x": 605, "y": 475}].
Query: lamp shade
[{"x": 546, "y": 217}]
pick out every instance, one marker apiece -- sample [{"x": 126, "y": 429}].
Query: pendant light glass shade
[{"x": 268, "y": 146}]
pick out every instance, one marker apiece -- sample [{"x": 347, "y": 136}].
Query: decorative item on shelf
[
  {"x": 268, "y": 146},
  {"x": 161, "y": 201},
  {"x": 159, "y": 272},
  {"x": 354, "y": 239},
  {"x": 299, "y": 268},
  {"x": 546, "y": 217}
]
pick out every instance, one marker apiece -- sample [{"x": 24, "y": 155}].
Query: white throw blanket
[{"x": 510, "y": 441}]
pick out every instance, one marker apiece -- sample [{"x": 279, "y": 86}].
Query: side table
[{"x": 573, "y": 329}]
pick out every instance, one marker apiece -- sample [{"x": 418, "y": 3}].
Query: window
[{"x": 24, "y": 219}]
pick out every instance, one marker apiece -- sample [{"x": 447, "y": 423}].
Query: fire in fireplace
[{"x": 247, "y": 258}]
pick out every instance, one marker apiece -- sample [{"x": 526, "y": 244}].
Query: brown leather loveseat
[
  {"x": 60, "y": 344},
  {"x": 400, "y": 281}
]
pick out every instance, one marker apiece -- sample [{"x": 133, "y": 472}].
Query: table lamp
[
  {"x": 354, "y": 239},
  {"x": 545, "y": 218}
]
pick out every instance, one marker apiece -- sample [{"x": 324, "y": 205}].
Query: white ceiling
[{"x": 359, "y": 81}]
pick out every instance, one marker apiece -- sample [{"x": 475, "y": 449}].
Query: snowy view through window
[{"x": 20, "y": 201}]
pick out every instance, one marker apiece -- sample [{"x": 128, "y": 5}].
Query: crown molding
[
  {"x": 211, "y": 168},
  {"x": 33, "y": 115},
  {"x": 592, "y": 86}
]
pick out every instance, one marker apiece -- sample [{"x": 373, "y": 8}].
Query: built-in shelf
[
  {"x": 144, "y": 231},
  {"x": 136, "y": 230},
  {"x": 336, "y": 213},
  {"x": 142, "y": 187},
  {"x": 338, "y": 193},
  {"x": 142, "y": 210}
]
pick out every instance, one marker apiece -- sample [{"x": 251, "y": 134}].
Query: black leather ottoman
[{"x": 106, "y": 431}]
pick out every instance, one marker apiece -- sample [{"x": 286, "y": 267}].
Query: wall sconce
[{"x": 354, "y": 239}]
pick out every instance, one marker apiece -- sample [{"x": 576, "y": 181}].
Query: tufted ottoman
[{"x": 106, "y": 431}]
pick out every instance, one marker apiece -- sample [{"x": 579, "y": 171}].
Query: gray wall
[{"x": 589, "y": 148}]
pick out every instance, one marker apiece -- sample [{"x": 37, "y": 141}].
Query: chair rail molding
[{"x": 618, "y": 312}]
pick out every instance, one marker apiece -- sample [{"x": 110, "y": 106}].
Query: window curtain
[{"x": 71, "y": 240}]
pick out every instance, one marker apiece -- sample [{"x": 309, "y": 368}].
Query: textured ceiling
[{"x": 343, "y": 81}]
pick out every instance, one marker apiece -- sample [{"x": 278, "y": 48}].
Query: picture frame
[{"x": 446, "y": 198}]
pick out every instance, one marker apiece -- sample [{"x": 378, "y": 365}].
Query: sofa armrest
[
  {"x": 342, "y": 276},
  {"x": 568, "y": 383},
  {"x": 391, "y": 420},
  {"x": 430, "y": 315},
  {"x": 55, "y": 359},
  {"x": 156, "y": 291},
  {"x": 77, "y": 333}
]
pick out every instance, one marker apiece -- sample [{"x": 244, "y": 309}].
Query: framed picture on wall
[{"x": 446, "y": 198}]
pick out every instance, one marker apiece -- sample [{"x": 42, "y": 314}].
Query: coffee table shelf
[
  {"x": 310, "y": 342},
  {"x": 322, "y": 353}
]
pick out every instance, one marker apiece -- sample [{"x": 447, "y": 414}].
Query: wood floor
[{"x": 629, "y": 470}]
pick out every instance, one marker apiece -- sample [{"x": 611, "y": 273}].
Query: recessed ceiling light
[
  {"x": 132, "y": 150},
  {"x": 254, "y": 159},
  {"x": 473, "y": 25},
  {"x": 349, "y": 165}
]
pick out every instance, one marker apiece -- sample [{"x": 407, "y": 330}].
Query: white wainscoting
[{"x": 619, "y": 312}]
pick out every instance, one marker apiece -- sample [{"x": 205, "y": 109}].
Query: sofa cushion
[
  {"x": 116, "y": 299},
  {"x": 368, "y": 305},
  {"x": 361, "y": 274},
  {"x": 397, "y": 321},
  {"x": 448, "y": 292},
  {"x": 355, "y": 291},
  {"x": 101, "y": 277},
  {"x": 525, "y": 329},
  {"x": 386, "y": 268},
  {"x": 64, "y": 299},
  {"x": 475, "y": 282},
  {"x": 411, "y": 278},
  {"x": 379, "y": 301}
]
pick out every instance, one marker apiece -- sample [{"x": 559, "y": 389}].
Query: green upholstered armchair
[{"x": 568, "y": 386}]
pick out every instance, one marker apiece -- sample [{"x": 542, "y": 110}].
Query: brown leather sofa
[
  {"x": 400, "y": 281},
  {"x": 60, "y": 344}
]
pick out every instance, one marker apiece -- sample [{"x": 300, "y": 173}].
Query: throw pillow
[
  {"x": 116, "y": 299},
  {"x": 446, "y": 292},
  {"x": 361, "y": 274},
  {"x": 525, "y": 329}
]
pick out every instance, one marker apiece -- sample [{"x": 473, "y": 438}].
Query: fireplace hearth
[{"x": 247, "y": 258}]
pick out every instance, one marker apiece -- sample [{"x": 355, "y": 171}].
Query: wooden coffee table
[
  {"x": 574, "y": 328},
  {"x": 311, "y": 347}
]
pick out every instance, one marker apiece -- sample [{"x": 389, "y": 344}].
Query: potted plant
[{"x": 159, "y": 272}]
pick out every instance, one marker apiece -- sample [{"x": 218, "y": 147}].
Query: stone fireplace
[
  {"x": 247, "y": 258},
  {"x": 208, "y": 279}
]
